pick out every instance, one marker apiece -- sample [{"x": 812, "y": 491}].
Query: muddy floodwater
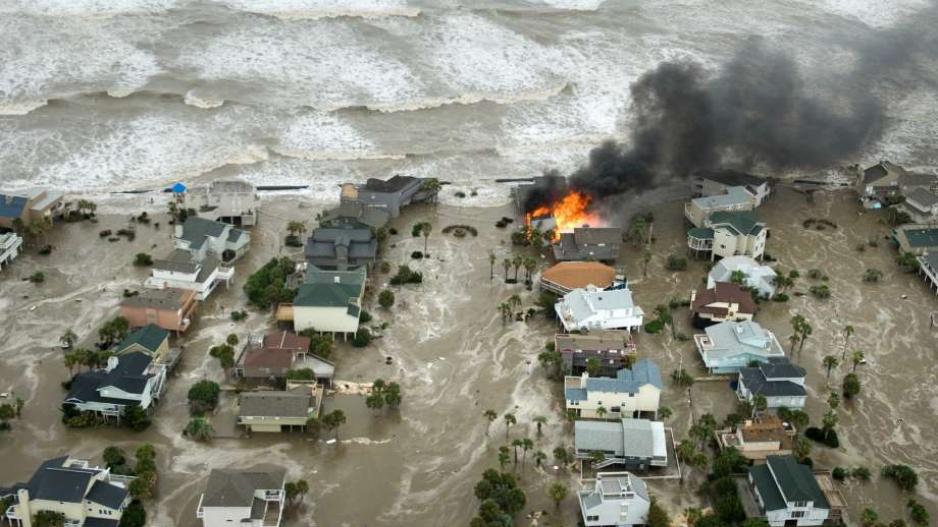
[{"x": 455, "y": 358}]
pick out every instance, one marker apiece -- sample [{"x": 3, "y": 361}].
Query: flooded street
[{"x": 455, "y": 358}]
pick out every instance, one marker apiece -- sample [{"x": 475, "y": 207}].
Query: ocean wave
[
  {"x": 21, "y": 107},
  {"x": 319, "y": 9},
  {"x": 202, "y": 101},
  {"x": 86, "y": 8},
  {"x": 336, "y": 155},
  {"x": 467, "y": 99}
]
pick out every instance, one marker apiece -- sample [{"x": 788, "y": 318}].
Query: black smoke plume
[{"x": 755, "y": 112}]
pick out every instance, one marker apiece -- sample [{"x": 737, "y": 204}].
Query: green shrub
[
  {"x": 406, "y": 276},
  {"x": 362, "y": 338},
  {"x": 839, "y": 473},
  {"x": 676, "y": 263},
  {"x": 386, "y": 299},
  {"x": 780, "y": 297},
  {"x": 828, "y": 439},
  {"x": 203, "y": 397},
  {"x": 143, "y": 260},
  {"x": 269, "y": 284},
  {"x": 38, "y": 277},
  {"x": 904, "y": 476},
  {"x": 654, "y": 327}
]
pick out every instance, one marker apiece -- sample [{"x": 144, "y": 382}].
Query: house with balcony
[
  {"x": 616, "y": 499},
  {"x": 392, "y": 194},
  {"x": 151, "y": 340},
  {"x": 631, "y": 393},
  {"x": 756, "y": 276},
  {"x": 611, "y": 350},
  {"x": 341, "y": 244},
  {"x": 733, "y": 199},
  {"x": 778, "y": 380},
  {"x": 10, "y": 244},
  {"x": 29, "y": 206},
  {"x": 787, "y": 493},
  {"x": 129, "y": 379},
  {"x": 728, "y": 347},
  {"x": 755, "y": 439},
  {"x": 329, "y": 301},
  {"x": 928, "y": 266},
  {"x": 921, "y": 205},
  {"x": 85, "y": 495},
  {"x": 591, "y": 308},
  {"x": 183, "y": 270},
  {"x": 728, "y": 234},
  {"x": 725, "y": 301},
  {"x": 246, "y": 498},
  {"x": 203, "y": 238},
  {"x": 564, "y": 277},
  {"x": 231, "y": 201},
  {"x": 171, "y": 309},
  {"x": 637, "y": 444},
  {"x": 282, "y": 410},
  {"x": 268, "y": 360},
  {"x": 600, "y": 244},
  {"x": 713, "y": 182}
]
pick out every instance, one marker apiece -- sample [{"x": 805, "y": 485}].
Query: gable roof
[
  {"x": 149, "y": 337},
  {"x": 642, "y": 373},
  {"x": 195, "y": 230},
  {"x": 732, "y": 197},
  {"x": 127, "y": 375},
  {"x": 275, "y": 404},
  {"x": 110, "y": 496},
  {"x": 12, "y": 206},
  {"x": 796, "y": 481},
  {"x": 742, "y": 222},
  {"x": 921, "y": 196},
  {"x": 330, "y": 288},
  {"x": 54, "y": 481},
  {"x": 235, "y": 488},
  {"x": 723, "y": 292}
]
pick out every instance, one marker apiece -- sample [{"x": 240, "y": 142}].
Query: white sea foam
[
  {"x": 576, "y": 5},
  {"x": 874, "y": 13},
  {"x": 315, "y": 9},
  {"x": 21, "y": 107},
  {"x": 198, "y": 100},
  {"x": 85, "y": 8},
  {"x": 316, "y": 135}
]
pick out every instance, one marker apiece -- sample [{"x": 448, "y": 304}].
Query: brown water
[{"x": 454, "y": 358}]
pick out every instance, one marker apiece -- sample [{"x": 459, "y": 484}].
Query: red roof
[
  {"x": 723, "y": 292},
  {"x": 277, "y": 340}
]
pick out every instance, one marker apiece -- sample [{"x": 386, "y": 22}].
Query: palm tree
[
  {"x": 829, "y": 422},
  {"x": 530, "y": 264},
  {"x": 540, "y": 421},
  {"x": 199, "y": 429},
  {"x": 431, "y": 186},
  {"x": 425, "y": 229},
  {"x": 600, "y": 412},
  {"x": 296, "y": 227},
  {"x": 830, "y": 362},
  {"x": 491, "y": 416},
  {"x": 664, "y": 412},
  {"x": 759, "y": 404},
  {"x": 503, "y": 456},
  {"x": 514, "y": 301},
  {"x": 646, "y": 257},
  {"x": 516, "y": 263},
  {"x": 793, "y": 339},
  {"x": 557, "y": 492},
  {"x": 68, "y": 339},
  {"x": 515, "y": 444},
  {"x": 505, "y": 311},
  {"x": 806, "y": 331},
  {"x": 539, "y": 457},
  {"x": 509, "y": 420},
  {"x": 333, "y": 420},
  {"x": 526, "y": 444},
  {"x": 562, "y": 456},
  {"x": 506, "y": 264},
  {"x": 491, "y": 266},
  {"x": 856, "y": 359},
  {"x": 848, "y": 331}
]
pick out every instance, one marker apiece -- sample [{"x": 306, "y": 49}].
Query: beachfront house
[
  {"x": 10, "y": 244},
  {"x": 243, "y": 498},
  {"x": 564, "y": 277},
  {"x": 699, "y": 209},
  {"x": 601, "y": 244},
  {"x": 203, "y": 238},
  {"x": 355, "y": 211},
  {"x": 787, "y": 493},
  {"x": 392, "y": 194},
  {"x": 616, "y": 499},
  {"x": 171, "y": 309},
  {"x": 724, "y": 301},
  {"x": 917, "y": 239},
  {"x": 231, "y": 201},
  {"x": 183, "y": 270},
  {"x": 631, "y": 393},
  {"x": 130, "y": 379},
  {"x": 269, "y": 359},
  {"x": 727, "y": 234},
  {"x": 709, "y": 183},
  {"x": 29, "y": 206},
  {"x": 329, "y": 301},
  {"x": 928, "y": 266},
  {"x": 609, "y": 350},
  {"x": 729, "y": 346},
  {"x": 277, "y": 411},
  {"x": 341, "y": 244},
  {"x": 755, "y": 439},
  {"x": 637, "y": 444},
  {"x": 755, "y": 275},
  {"x": 151, "y": 340},
  {"x": 591, "y": 308},
  {"x": 778, "y": 380},
  {"x": 921, "y": 205},
  {"x": 85, "y": 495}
]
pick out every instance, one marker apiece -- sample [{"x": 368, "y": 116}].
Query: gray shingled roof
[
  {"x": 643, "y": 372},
  {"x": 110, "y": 496},
  {"x": 235, "y": 488},
  {"x": 169, "y": 298},
  {"x": 796, "y": 481},
  {"x": 54, "y": 482},
  {"x": 274, "y": 404},
  {"x": 196, "y": 229}
]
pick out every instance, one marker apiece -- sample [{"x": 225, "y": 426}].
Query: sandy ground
[{"x": 454, "y": 359}]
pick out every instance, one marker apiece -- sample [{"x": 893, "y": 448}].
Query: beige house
[
  {"x": 329, "y": 301},
  {"x": 760, "y": 437},
  {"x": 632, "y": 393},
  {"x": 733, "y": 199},
  {"x": 728, "y": 234},
  {"x": 150, "y": 340},
  {"x": 171, "y": 309}
]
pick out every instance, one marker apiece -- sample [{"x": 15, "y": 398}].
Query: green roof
[
  {"x": 922, "y": 237},
  {"x": 762, "y": 479},
  {"x": 701, "y": 234},
  {"x": 741, "y": 222},
  {"x": 330, "y": 288},
  {"x": 796, "y": 481},
  {"x": 149, "y": 337}
]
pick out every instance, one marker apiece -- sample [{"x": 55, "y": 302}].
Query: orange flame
[{"x": 570, "y": 212}]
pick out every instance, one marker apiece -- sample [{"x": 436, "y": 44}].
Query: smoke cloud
[{"x": 754, "y": 112}]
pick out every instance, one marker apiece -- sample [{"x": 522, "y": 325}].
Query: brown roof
[
  {"x": 766, "y": 428},
  {"x": 573, "y": 275},
  {"x": 725, "y": 292},
  {"x": 268, "y": 358},
  {"x": 169, "y": 298},
  {"x": 276, "y": 340},
  {"x": 593, "y": 341}
]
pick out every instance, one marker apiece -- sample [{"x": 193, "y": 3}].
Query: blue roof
[
  {"x": 575, "y": 394},
  {"x": 626, "y": 381},
  {"x": 178, "y": 188},
  {"x": 12, "y": 206}
]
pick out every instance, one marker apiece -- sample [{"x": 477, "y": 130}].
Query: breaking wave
[
  {"x": 320, "y": 9},
  {"x": 21, "y": 107}
]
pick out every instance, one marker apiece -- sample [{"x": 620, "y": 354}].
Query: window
[
  {"x": 798, "y": 514},
  {"x": 592, "y": 518},
  {"x": 801, "y": 504}
]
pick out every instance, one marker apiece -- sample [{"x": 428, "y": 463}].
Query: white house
[
  {"x": 759, "y": 277},
  {"x": 699, "y": 209},
  {"x": 243, "y": 498},
  {"x": 632, "y": 392},
  {"x": 86, "y": 496},
  {"x": 202, "y": 238},
  {"x": 593, "y": 308},
  {"x": 637, "y": 444},
  {"x": 129, "y": 379},
  {"x": 717, "y": 182},
  {"x": 329, "y": 301},
  {"x": 617, "y": 499},
  {"x": 728, "y": 234},
  {"x": 788, "y": 493},
  {"x": 10, "y": 244},
  {"x": 778, "y": 380},
  {"x": 921, "y": 205},
  {"x": 729, "y": 346},
  {"x": 232, "y": 201},
  {"x": 182, "y": 270}
]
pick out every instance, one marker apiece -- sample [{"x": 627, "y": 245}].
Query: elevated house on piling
[
  {"x": 247, "y": 498},
  {"x": 729, "y": 234},
  {"x": 10, "y": 244}
]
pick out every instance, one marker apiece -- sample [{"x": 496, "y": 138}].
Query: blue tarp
[{"x": 178, "y": 188}]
